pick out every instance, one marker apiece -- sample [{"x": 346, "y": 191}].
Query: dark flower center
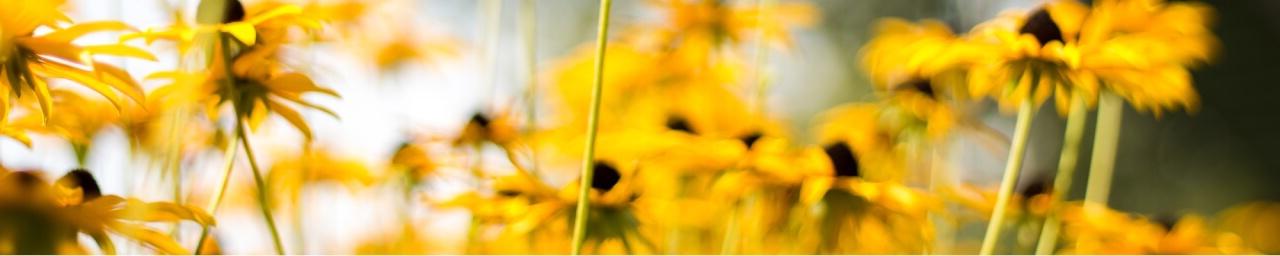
[
  {"x": 842, "y": 159},
  {"x": 1041, "y": 25},
  {"x": 79, "y": 178},
  {"x": 605, "y": 176},
  {"x": 751, "y": 138},
  {"x": 233, "y": 11},
  {"x": 1166, "y": 220},
  {"x": 480, "y": 120},
  {"x": 922, "y": 86},
  {"x": 678, "y": 123},
  {"x": 1036, "y": 187},
  {"x": 23, "y": 180},
  {"x": 509, "y": 193}
]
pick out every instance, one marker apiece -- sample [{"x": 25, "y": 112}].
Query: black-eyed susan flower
[
  {"x": 1141, "y": 50},
  {"x": 258, "y": 85},
  {"x": 294, "y": 172},
  {"x": 81, "y": 121},
  {"x": 857, "y": 175},
  {"x": 1094, "y": 229},
  {"x": 1036, "y": 54},
  {"x": 247, "y": 26},
  {"x": 1138, "y": 49},
  {"x": 918, "y": 67},
  {"x": 45, "y": 218},
  {"x": 28, "y": 60},
  {"x": 708, "y": 24}
]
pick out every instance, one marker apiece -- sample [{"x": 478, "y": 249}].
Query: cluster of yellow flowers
[{"x": 689, "y": 160}]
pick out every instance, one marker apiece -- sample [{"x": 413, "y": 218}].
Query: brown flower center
[
  {"x": 842, "y": 159},
  {"x": 1041, "y": 25},
  {"x": 605, "y": 176}
]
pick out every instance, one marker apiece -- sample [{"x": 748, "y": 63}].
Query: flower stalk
[
  {"x": 593, "y": 125},
  {"x": 1067, "y": 159},
  {"x": 230, "y": 154},
  {"x": 1026, "y": 111},
  {"x": 1105, "y": 139},
  {"x": 262, "y": 186}
]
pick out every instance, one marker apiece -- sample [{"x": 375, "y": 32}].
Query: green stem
[
  {"x": 761, "y": 86},
  {"x": 529, "y": 21},
  {"x": 1067, "y": 159},
  {"x": 593, "y": 125},
  {"x": 1105, "y": 139},
  {"x": 1026, "y": 111},
  {"x": 492, "y": 12},
  {"x": 230, "y": 154},
  {"x": 262, "y": 186}
]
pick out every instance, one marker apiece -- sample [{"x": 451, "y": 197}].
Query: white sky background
[{"x": 374, "y": 117}]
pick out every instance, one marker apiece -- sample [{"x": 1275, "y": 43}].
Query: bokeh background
[{"x": 1227, "y": 152}]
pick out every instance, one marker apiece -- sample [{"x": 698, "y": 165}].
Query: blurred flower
[
  {"x": 1035, "y": 54},
  {"x": 246, "y": 26},
  {"x": 1094, "y": 229},
  {"x": 1250, "y": 225},
  {"x": 260, "y": 85},
  {"x": 1137, "y": 48},
  {"x": 1144, "y": 47},
  {"x": 290, "y": 175},
  {"x": 856, "y": 174},
  {"x": 27, "y": 61},
  {"x": 708, "y": 24},
  {"x": 82, "y": 119},
  {"x": 41, "y": 219}
]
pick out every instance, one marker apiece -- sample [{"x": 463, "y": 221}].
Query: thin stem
[
  {"x": 761, "y": 86},
  {"x": 230, "y": 154},
  {"x": 593, "y": 125},
  {"x": 1105, "y": 139},
  {"x": 529, "y": 21},
  {"x": 262, "y": 186},
  {"x": 1011, "y": 171},
  {"x": 492, "y": 13},
  {"x": 1067, "y": 159}
]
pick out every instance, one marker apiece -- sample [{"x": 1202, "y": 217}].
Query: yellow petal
[
  {"x": 292, "y": 116},
  {"x": 46, "y": 48},
  {"x": 42, "y": 95},
  {"x": 282, "y": 10},
  {"x": 814, "y": 189},
  {"x": 163, "y": 211},
  {"x": 120, "y": 50},
  {"x": 53, "y": 69},
  {"x": 80, "y": 29},
  {"x": 162, "y": 243},
  {"x": 242, "y": 31},
  {"x": 121, "y": 80}
]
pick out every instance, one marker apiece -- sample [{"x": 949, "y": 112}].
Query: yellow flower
[
  {"x": 39, "y": 218},
  {"x": 1032, "y": 56},
  {"x": 415, "y": 160},
  {"x": 1139, "y": 49},
  {"x": 288, "y": 176},
  {"x": 28, "y": 60},
  {"x": 1249, "y": 228},
  {"x": 499, "y": 128},
  {"x": 405, "y": 49},
  {"x": 918, "y": 67},
  {"x": 260, "y": 85},
  {"x": 1142, "y": 49},
  {"x": 246, "y": 27},
  {"x": 1095, "y": 229},
  {"x": 81, "y": 120},
  {"x": 707, "y": 24},
  {"x": 857, "y": 174}
]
